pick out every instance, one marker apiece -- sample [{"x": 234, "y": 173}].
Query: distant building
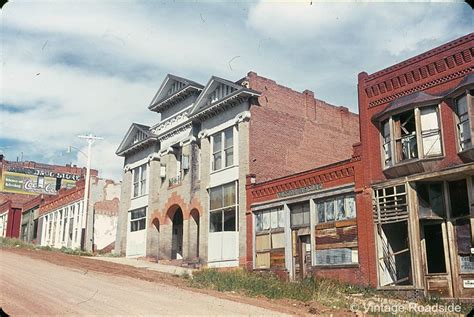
[
  {"x": 21, "y": 181},
  {"x": 183, "y": 191},
  {"x": 63, "y": 221}
]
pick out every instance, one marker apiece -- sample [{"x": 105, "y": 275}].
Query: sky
[{"x": 77, "y": 67}]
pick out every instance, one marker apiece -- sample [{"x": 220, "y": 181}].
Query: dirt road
[{"x": 30, "y": 286}]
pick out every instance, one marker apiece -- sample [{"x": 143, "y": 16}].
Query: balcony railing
[{"x": 175, "y": 181}]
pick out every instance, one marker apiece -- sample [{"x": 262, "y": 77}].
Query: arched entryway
[
  {"x": 194, "y": 234},
  {"x": 177, "y": 235},
  {"x": 156, "y": 238}
]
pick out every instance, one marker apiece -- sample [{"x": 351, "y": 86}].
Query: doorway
[{"x": 177, "y": 235}]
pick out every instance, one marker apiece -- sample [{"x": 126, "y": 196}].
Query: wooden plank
[
  {"x": 277, "y": 259},
  {"x": 340, "y": 245},
  {"x": 346, "y": 223}
]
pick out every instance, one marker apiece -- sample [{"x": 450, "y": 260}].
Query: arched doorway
[
  {"x": 156, "y": 237},
  {"x": 177, "y": 235},
  {"x": 194, "y": 233}
]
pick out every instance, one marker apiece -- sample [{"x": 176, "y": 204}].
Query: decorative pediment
[
  {"x": 137, "y": 136},
  {"x": 220, "y": 92},
  {"x": 173, "y": 90}
]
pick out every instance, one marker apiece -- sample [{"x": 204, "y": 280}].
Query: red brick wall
[
  {"x": 292, "y": 131},
  {"x": 433, "y": 72}
]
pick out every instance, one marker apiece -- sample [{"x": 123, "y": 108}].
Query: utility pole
[{"x": 90, "y": 139}]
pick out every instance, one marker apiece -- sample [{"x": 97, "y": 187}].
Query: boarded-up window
[{"x": 270, "y": 239}]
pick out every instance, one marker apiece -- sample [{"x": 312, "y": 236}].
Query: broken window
[
  {"x": 405, "y": 136},
  {"x": 387, "y": 143},
  {"x": 337, "y": 208},
  {"x": 430, "y": 200},
  {"x": 393, "y": 240},
  {"x": 463, "y": 126},
  {"x": 430, "y": 131}
]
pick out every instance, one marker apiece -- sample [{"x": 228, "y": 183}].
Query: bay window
[
  {"x": 223, "y": 149},
  {"x": 462, "y": 123},
  {"x": 223, "y": 208}
]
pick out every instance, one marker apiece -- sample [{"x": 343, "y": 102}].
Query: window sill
[
  {"x": 467, "y": 154},
  {"x": 223, "y": 169},
  {"x": 336, "y": 266},
  {"x": 137, "y": 197}
]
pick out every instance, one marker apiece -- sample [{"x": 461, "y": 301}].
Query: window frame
[
  {"x": 139, "y": 182},
  {"x": 469, "y": 101},
  {"x": 223, "y": 149},
  {"x": 335, "y": 199},
  {"x": 141, "y": 221},
  {"x": 225, "y": 208},
  {"x": 419, "y": 136}
]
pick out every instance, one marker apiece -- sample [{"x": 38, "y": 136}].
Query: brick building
[
  {"x": 307, "y": 223},
  {"x": 183, "y": 193},
  {"x": 63, "y": 222},
  {"x": 417, "y": 122},
  {"x": 21, "y": 182}
]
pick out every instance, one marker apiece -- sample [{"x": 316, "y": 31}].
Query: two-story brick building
[
  {"x": 416, "y": 123},
  {"x": 183, "y": 193}
]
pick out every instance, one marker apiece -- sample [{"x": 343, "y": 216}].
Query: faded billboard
[{"x": 33, "y": 184}]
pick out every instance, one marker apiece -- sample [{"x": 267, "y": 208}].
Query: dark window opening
[
  {"x": 430, "y": 199},
  {"x": 405, "y": 136},
  {"x": 434, "y": 248},
  {"x": 458, "y": 197}
]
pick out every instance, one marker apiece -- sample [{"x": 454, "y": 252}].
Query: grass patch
[
  {"x": 266, "y": 284},
  {"x": 16, "y": 243}
]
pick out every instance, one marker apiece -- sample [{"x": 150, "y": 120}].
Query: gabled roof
[
  {"x": 233, "y": 90},
  {"x": 138, "y": 135},
  {"x": 172, "y": 90}
]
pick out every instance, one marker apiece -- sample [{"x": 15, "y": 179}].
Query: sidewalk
[{"x": 169, "y": 269}]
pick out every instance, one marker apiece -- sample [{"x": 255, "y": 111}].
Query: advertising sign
[{"x": 31, "y": 184}]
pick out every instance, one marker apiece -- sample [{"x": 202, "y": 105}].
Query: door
[
  {"x": 438, "y": 279},
  {"x": 301, "y": 255},
  {"x": 177, "y": 238}
]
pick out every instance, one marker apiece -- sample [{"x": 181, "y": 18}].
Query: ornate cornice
[
  {"x": 175, "y": 131},
  {"x": 170, "y": 123},
  {"x": 309, "y": 178},
  {"x": 220, "y": 106},
  {"x": 421, "y": 87}
]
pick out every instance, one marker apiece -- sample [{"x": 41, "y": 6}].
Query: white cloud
[{"x": 70, "y": 68}]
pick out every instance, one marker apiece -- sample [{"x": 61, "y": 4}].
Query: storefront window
[
  {"x": 299, "y": 214},
  {"x": 223, "y": 208},
  {"x": 137, "y": 219},
  {"x": 337, "y": 208}
]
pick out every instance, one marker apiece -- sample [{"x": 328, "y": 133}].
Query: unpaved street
[{"x": 31, "y": 286}]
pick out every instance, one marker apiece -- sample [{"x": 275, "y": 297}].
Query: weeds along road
[{"x": 30, "y": 285}]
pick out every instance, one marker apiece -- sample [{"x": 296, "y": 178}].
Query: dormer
[
  {"x": 137, "y": 137},
  {"x": 218, "y": 95},
  {"x": 174, "y": 94}
]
